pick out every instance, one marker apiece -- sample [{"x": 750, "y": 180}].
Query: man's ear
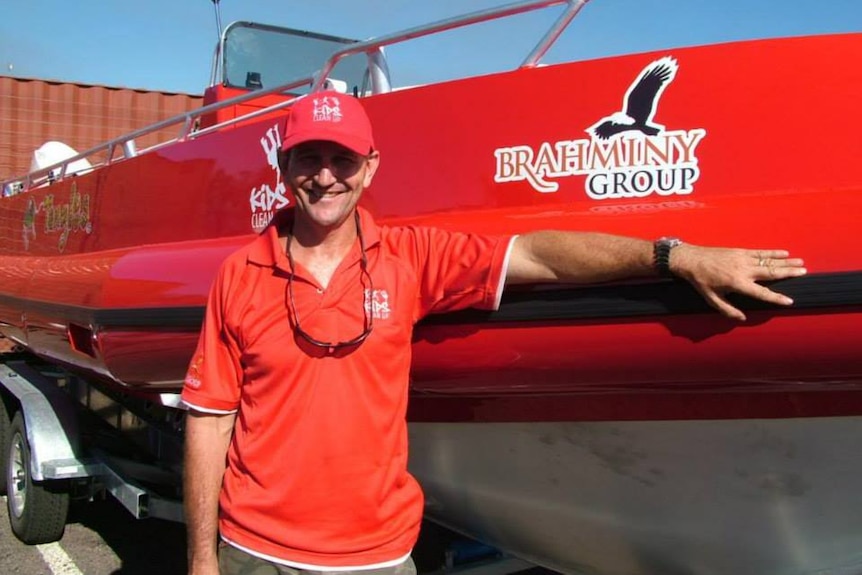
[{"x": 372, "y": 163}]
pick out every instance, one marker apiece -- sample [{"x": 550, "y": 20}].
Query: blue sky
[{"x": 167, "y": 44}]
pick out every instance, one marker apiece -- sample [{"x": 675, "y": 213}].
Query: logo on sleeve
[{"x": 193, "y": 375}]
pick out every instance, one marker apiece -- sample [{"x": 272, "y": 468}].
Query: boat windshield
[{"x": 256, "y": 56}]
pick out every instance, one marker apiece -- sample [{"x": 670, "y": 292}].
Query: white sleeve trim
[
  {"x": 188, "y": 405},
  {"x": 504, "y": 272}
]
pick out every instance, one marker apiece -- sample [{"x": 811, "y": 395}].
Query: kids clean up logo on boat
[
  {"x": 627, "y": 156},
  {"x": 265, "y": 200}
]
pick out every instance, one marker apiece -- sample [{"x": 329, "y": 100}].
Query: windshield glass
[{"x": 258, "y": 56}]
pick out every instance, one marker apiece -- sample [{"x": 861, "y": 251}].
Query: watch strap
[{"x": 661, "y": 255}]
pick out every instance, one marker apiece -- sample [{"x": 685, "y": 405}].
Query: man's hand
[{"x": 715, "y": 272}]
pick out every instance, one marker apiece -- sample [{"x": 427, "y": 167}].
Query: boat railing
[{"x": 378, "y": 75}]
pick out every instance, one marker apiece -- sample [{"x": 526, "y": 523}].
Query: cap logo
[
  {"x": 329, "y": 117},
  {"x": 327, "y": 109}
]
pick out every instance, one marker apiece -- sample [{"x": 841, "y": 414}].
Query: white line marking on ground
[{"x": 58, "y": 560}]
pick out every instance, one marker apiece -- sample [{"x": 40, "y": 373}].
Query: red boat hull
[{"x": 109, "y": 271}]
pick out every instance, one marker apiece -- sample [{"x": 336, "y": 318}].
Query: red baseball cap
[{"x": 329, "y": 116}]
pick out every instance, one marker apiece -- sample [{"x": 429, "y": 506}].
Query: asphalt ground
[{"x": 101, "y": 538}]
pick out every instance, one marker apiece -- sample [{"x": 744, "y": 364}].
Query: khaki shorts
[{"x": 233, "y": 561}]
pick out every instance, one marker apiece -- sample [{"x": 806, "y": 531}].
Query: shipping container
[{"x": 33, "y": 112}]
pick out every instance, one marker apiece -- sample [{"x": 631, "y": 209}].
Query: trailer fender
[{"x": 51, "y": 421}]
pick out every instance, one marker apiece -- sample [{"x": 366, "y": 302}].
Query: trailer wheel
[{"x": 37, "y": 511}]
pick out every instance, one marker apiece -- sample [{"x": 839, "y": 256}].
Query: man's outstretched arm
[{"x": 585, "y": 257}]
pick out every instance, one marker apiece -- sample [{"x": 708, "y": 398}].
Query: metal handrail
[
  {"x": 380, "y": 83},
  {"x": 459, "y": 22}
]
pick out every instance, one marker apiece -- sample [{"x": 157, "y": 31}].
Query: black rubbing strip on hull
[
  {"x": 172, "y": 317},
  {"x": 652, "y": 299},
  {"x": 544, "y": 303},
  {"x": 178, "y": 317}
]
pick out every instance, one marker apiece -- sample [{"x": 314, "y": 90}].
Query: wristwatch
[{"x": 661, "y": 255}]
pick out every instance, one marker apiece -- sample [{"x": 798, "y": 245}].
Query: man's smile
[{"x": 317, "y": 195}]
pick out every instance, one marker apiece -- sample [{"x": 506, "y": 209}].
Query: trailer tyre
[{"x": 37, "y": 511}]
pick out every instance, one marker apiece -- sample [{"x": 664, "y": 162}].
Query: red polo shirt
[{"x": 317, "y": 467}]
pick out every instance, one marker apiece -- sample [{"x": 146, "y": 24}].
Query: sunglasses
[{"x": 365, "y": 280}]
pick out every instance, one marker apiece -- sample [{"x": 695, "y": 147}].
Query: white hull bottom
[{"x": 728, "y": 497}]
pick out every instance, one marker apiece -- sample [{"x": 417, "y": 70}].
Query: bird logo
[{"x": 640, "y": 102}]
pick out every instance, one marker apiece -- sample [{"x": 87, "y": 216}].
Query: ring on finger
[{"x": 761, "y": 262}]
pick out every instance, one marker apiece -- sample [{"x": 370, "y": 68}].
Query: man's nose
[{"x": 325, "y": 175}]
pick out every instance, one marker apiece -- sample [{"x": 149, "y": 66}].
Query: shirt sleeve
[
  {"x": 461, "y": 270},
  {"x": 214, "y": 377}
]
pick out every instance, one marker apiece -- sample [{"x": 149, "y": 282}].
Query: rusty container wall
[{"x": 33, "y": 112}]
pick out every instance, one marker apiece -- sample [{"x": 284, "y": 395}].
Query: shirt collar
[{"x": 266, "y": 249}]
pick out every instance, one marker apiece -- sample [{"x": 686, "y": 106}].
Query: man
[{"x": 296, "y": 440}]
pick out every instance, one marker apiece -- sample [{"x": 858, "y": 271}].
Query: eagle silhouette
[{"x": 640, "y": 102}]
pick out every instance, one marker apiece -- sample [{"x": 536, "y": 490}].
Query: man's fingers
[
  {"x": 777, "y": 271},
  {"x": 725, "y": 307},
  {"x": 795, "y": 263},
  {"x": 774, "y": 265},
  {"x": 763, "y": 254},
  {"x": 717, "y": 301},
  {"x": 763, "y": 293}
]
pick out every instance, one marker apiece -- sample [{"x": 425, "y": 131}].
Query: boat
[{"x": 617, "y": 429}]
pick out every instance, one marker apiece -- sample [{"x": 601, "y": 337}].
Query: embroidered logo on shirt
[
  {"x": 327, "y": 109},
  {"x": 377, "y": 303},
  {"x": 193, "y": 376}
]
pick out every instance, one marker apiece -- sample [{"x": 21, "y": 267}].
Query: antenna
[{"x": 218, "y": 17}]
